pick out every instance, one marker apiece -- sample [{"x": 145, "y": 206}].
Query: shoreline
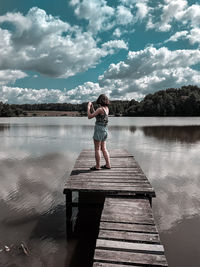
[{"x": 54, "y": 113}]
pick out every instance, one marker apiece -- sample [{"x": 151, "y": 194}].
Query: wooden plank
[
  {"x": 129, "y": 236},
  {"x": 129, "y": 258},
  {"x": 120, "y": 207},
  {"x": 114, "y": 161},
  {"x": 121, "y": 161},
  {"x": 128, "y": 246},
  {"x": 87, "y": 164},
  {"x": 129, "y": 227},
  {"x": 107, "y": 186},
  {"x": 127, "y": 214},
  {"x": 115, "y": 150},
  {"x": 100, "y": 173},
  {"x": 110, "y": 184},
  {"x": 127, "y": 211},
  {"x": 135, "y": 203},
  {"x": 129, "y": 159},
  {"x": 98, "y": 177},
  {"x": 109, "y": 189},
  {"x": 112, "y": 155},
  {"x": 109, "y": 180},
  {"x": 127, "y": 201},
  {"x": 111, "y": 175},
  {"x": 112, "y": 170},
  {"x": 107, "y": 264},
  {"x": 111, "y": 152},
  {"x": 130, "y": 211},
  {"x": 121, "y": 219}
]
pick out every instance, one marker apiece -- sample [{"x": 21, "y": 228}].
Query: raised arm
[{"x": 94, "y": 113}]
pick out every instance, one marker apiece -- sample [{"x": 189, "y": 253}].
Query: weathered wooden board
[
  {"x": 111, "y": 175},
  {"x": 135, "y": 203},
  {"x": 115, "y": 164},
  {"x": 110, "y": 180},
  {"x": 127, "y": 211},
  {"x": 129, "y": 246},
  {"x": 128, "y": 227},
  {"x": 106, "y": 264},
  {"x": 129, "y": 236},
  {"x": 129, "y": 257},
  {"x": 97, "y": 184},
  {"x": 109, "y": 189},
  {"x": 111, "y": 172}
]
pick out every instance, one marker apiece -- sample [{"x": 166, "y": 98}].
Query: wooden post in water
[{"x": 68, "y": 213}]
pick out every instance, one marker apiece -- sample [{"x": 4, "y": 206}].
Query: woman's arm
[
  {"x": 92, "y": 108},
  {"x": 94, "y": 113}
]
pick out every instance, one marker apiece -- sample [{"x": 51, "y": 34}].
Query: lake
[{"x": 37, "y": 155}]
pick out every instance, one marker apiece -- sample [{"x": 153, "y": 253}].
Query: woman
[{"x": 100, "y": 131}]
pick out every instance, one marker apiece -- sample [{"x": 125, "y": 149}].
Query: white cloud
[
  {"x": 143, "y": 10},
  {"x": 10, "y": 76},
  {"x": 108, "y": 46},
  {"x": 47, "y": 45},
  {"x": 172, "y": 9},
  {"x": 193, "y": 36},
  {"x": 102, "y": 17},
  {"x": 191, "y": 14},
  {"x": 123, "y": 15},
  {"x": 97, "y": 12},
  {"x": 26, "y": 95},
  {"x": 177, "y": 36},
  {"x": 151, "y": 69},
  {"x": 175, "y": 10},
  {"x": 117, "y": 33},
  {"x": 87, "y": 91}
]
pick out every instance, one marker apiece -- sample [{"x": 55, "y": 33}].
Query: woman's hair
[{"x": 103, "y": 100}]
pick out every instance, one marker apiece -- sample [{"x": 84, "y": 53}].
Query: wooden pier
[{"x": 127, "y": 231}]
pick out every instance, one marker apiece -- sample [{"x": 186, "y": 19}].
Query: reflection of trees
[
  {"x": 123, "y": 127},
  {"x": 4, "y": 127},
  {"x": 187, "y": 134}
]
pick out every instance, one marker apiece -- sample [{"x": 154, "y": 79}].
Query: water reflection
[
  {"x": 184, "y": 243},
  {"x": 36, "y": 156},
  {"x": 4, "y": 127},
  {"x": 186, "y": 134}
]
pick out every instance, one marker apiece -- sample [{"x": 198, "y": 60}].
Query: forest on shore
[{"x": 184, "y": 101}]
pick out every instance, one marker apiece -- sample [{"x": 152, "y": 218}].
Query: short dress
[{"x": 100, "y": 128}]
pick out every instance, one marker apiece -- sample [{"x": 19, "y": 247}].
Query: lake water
[{"x": 37, "y": 155}]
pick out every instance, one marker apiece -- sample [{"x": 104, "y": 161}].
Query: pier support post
[
  {"x": 150, "y": 201},
  {"x": 68, "y": 213}
]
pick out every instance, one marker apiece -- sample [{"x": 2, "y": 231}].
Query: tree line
[{"x": 184, "y": 101}]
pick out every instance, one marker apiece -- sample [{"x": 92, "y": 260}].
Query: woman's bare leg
[
  {"x": 105, "y": 154},
  {"x": 97, "y": 147}
]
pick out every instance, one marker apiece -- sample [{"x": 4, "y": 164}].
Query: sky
[{"x": 73, "y": 51}]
